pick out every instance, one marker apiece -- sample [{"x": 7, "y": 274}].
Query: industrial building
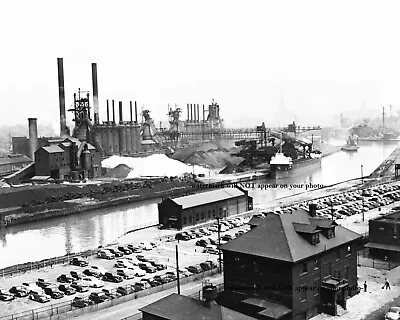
[
  {"x": 68, "y": 159},
  {"x": 181, "y": 212},
  {"x": 292, "y": 266},
  {"x": 384, "y": 237},
  {"x": 13, "y": 163}
]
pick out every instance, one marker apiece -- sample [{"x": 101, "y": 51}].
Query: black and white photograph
[{"x": 200, "y": 160}]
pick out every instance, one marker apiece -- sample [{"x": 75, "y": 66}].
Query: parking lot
[{"x": 163, "y": 254}]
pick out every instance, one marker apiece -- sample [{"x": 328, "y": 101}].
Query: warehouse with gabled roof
[{"x": 181, "y": 212}]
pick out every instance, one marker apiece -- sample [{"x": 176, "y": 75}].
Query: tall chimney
[
  {"x": 198, "y": 113},
  {"x": 113, "y": 109},
  {"x": 61, "y": 96},
  {"x": 95, "y": 94},
  {"x": 191, "y": 112},
  {"x": 188, "y": 112},
  {"x": 33, "y": 137},
  {"x": 108, "y": 113},
  {"x": 120, "y": 113},
  {"x": 130, "y": 110},
  {"x": 135, "y": 113},
  {"x": 204, "y": 117}
]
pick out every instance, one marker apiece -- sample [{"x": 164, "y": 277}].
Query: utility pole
[
  {"x": 219, "y": 244},
  {"x": 177, "y": 270},
  {"x": 383, "y": 119},
  {"x": 362, "y": 175}
]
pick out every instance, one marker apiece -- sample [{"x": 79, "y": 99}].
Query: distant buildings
[
  {"x": 13, "y": 163},
  {"x": 185, "y": 211},
  {"x": 290, "y": 266}
]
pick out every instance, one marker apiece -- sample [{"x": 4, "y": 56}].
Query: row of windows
[
  {"x": 316, "y": 263},
  {"x": 203, "y": 216}
]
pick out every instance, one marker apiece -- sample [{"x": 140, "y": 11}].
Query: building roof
[
  {"x": 14, "y": 159},
  {"x": 66, "y": 142},
  {"x": 390, "y": 217},
  {"x": 387, "y": 247},
  {"x": 277, "y": 239},
  {"x": 272, "y": 310},
  {"x": 255, "y": 221},
  {"x": 53, "y": 149},
  {"x": 178, "y": 307},
  {"x": 199, "y": 199},
  {"x": 304, "y": 227},
  {"x": 323, "y": 223}
]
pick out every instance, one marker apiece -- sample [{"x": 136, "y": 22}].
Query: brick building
[
  {"x": 384, "y": 236},
  {"x": 185, "y": 211},
  {"x": 13, "y": 163},
  {"x": 290, "y": 266}
]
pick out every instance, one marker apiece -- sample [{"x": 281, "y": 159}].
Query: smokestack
[
  {"x": 312, "y": 210},
  {"x": 113, "y": 111},
  {"x": 188, "y": 112},
  {"x": 135, "y": 113},
  {"x": 204, "y": 110},
  {"x": 95, "y": 94},
  {"x": 61, "y": 96},
  {"x": 198, "y": 113},
  {"x": 108, "y": 113},
  {"x": 191, "y": 112},
  {"x": 130, "y": 110},
  {"x": 33, "y": 137},
  {"x": 120, "y": 113}
]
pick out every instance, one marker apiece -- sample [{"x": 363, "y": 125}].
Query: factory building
[
  {"x": 181, "y": 212},
  {"x": 13, "y": 163},
  {"x": 68, "y": 159},
  {"x": 294, "y": 266}
]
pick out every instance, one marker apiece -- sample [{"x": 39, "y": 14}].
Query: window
[
  {"x": 202, "y": 215},
  {"x": 316, "y": 286},
  {"x": 304, "y": 267},
  {"x": 303, "y": 293},
  {"x": 349, "y": 249},
  {"x": 190, "y": 219},
  {"x": 316, "y": 264},
  {"x": 346, "y": 272},
  {"x": 315, "y": 238},
  {"x": 337, "y": 254},
  {"x": 213, "y": 212},
  {"x": 209, "y": 213},
  {"x": 184, "y": 220},
  {"x": 381, "y": 229}
]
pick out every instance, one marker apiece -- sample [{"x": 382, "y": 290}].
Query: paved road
[{"x": 131, "y": 307}]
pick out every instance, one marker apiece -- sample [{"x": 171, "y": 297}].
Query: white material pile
[{"x": 156, "y": 165}]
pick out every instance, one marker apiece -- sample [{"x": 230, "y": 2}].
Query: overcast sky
[{"x": 314, "y": 59}]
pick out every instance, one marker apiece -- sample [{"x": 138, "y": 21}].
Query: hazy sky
[{"x": 321, "y": 57}]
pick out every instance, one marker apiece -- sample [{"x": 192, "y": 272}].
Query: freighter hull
[{"x": 299, "y": 166}]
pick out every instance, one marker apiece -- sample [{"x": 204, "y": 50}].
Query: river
[{"x": 58, "y": 236}]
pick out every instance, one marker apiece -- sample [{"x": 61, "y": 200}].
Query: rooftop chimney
[
  {"x": 61, "y": 96},
  {"x": 33, "y": 137},
  {"x": 312, "y": 209},
  {"x": 113, "y": 110},
  {"x": 95, "y": 94},
  {"x": 120, "y": 113},
  {"x": 108, "y": 113},
  {"x": 210, "y": 293}
]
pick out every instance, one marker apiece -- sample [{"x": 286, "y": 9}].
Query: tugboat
[{"x": 351, "y": 145}]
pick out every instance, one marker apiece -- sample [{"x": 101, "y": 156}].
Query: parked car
[
  {"x": 19, "y": 291},
  {"x": 141, "y": 257},
  {"x": 195, "y": 269},
  {"x": 171, "y": 275},
  {"x": 53, "y": 292},
  {"x": 139, "y": 286},
  {"x": 124, "y": 250},
  {"x": 77, "y": 275},
  {"x": 146, "y": 246},
  {"x": 112, "y": 277},
  {"x": 43, "y": 283},
  {"x": 211, "y": 249},
  {"x": 39, "y": 297},
  {"x": 101, "y": 270},
  {"x": 79, "y": 261},
  {"x": 227, "y": 237},
  {"x": 202, "y": 243},
  {"x": 182, "y": 236},
  {"x": 125, "y": 290},
  {"x": 32, "y": 288},
  {"x": 205, "y": 266},
  {"x": 66, "y": 289},
  {"x": 162, "y": 279},
  {"x": 122, "y": 264},
  {"x": 393, "y": 313},
  {"x": 93, "y": 282},
  {"x": 211, "y": 263},
  {"x": 105, "y": 254},
  {"x": 138, "y": 272},
  {"x": 116, "y": 253},
  {"x": 81, "y": 302},
  {"x": 99, "y": 297},
  {"x": 134, "y": 249},
  {"x": 65, "y": 278},
  {"x": 205, "y": 231},
  {"x": 126, "y": 274},
  {"x": 80, "y": 286},
  {"x": 92, "y": 273},
  {"x": 5, "y": 295},
  {"x": 146, "y": 266}
]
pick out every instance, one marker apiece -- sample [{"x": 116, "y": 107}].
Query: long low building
[{"x": 180, "y": 212}]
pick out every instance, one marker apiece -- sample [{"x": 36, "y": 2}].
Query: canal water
[{"x": 58, "y": 236}]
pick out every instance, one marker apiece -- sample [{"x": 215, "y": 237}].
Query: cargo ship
[
  {"x": 351, "y": 145},
  {"x": 282, "y": 166}
]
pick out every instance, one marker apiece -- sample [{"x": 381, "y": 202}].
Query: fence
[
  {"x": 66, "y": 310},
  {"x": 365, "y": 259}
]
